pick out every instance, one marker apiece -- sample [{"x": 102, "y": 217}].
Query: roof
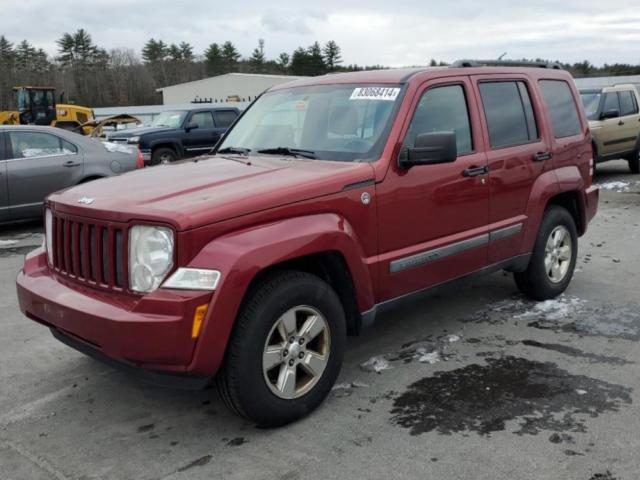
[
  {"x": 250, "y": 75},
  {"x": 402, "y": 75},
  {"x": 138, "y": 110}
]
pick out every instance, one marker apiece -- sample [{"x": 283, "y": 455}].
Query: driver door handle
[
  {"x": 475, "y": 171},
  {"x": 71, "y": 163},
  {"x": 542, "y": 156}
]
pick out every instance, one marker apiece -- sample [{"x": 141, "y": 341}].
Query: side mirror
[
  {"x": 191, "y": 126},
  {"x": 609, "y": 114},
  {"x": 430, "y": 149}
]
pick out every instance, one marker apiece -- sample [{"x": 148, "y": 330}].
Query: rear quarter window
[
  {"x": 224, "y": 118},
  {"x": 509, "y": 114},
  {"x": 562, "y": 108}
]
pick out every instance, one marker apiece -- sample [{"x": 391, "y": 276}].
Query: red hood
[{"x": 192, "y": 194}]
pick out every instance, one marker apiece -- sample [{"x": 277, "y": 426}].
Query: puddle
[{"x": 483, "y": 398}]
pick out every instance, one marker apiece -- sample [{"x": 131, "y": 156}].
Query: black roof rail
[{"x": 505, "y": 63}]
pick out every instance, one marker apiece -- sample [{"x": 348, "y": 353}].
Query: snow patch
[
  {"x": 375, "y": 364},
  {"x": 428, "y": 357},
  {"x": 6, "y": 243},
  {"x": 615, "y": 185},
  {"x": 555, "y": 309}
]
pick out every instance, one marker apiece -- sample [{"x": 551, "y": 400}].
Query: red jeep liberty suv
[{"x": 329, "y": 199}]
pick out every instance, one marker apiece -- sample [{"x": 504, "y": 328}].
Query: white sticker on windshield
[{"x": 375, "y": 93}]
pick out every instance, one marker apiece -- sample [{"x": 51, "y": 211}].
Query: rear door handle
[
  {"x": 620, "y": 122},
  {"x": 542, "y": 156},
  {"x": 71, "y": 163},
  {"x": 475, "y": 171}
]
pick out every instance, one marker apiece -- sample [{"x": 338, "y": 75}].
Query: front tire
[
  {"x": 286, "y": 349},
  {"x": 554, "y": 256},
  {"x": 163, "y": 155}
]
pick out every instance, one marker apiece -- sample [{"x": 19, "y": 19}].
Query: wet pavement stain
[
  {"x": 603, "y": 476},
  {"x": 15, "y": 251},
  {"x": 483, "y": 398},
  {"x": 564, "y": 314},
  {"x": 196, "y": 463},
  {"x": 605, "y": 321},
  {"x": 576, "y": 352}
]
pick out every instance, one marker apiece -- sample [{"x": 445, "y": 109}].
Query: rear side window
[
  {"x": 562, "y": 108},
  {"x": 627, "y": 103},
  {"x": 509, "y": 114},
  {"x": 442, "y": 109},
  {"x": 224, "y": 118}
]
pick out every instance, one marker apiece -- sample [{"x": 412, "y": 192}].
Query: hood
[
  {"x": 195, "y": 193},
  {"x": 134, "y": 132}
]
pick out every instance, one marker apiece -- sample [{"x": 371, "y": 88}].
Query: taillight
[{"x": 140, "y": 160}]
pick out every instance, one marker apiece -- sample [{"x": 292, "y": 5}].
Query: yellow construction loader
[{"x": 37, "y": 106}]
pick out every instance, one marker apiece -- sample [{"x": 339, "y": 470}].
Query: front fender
[{"x": 241, "y": 255}]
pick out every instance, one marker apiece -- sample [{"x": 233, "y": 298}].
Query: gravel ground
[{"x": 472, "y": 381}]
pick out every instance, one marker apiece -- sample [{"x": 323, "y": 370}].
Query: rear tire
[
  {"x": 634, "y": 162},
  {"x": 269, "y": 378},
  {"x": 163, "y": 155},
  {"x": 554, "y": 256}
]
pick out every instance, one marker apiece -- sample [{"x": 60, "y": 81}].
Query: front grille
[{"x": 91, "y": 252}]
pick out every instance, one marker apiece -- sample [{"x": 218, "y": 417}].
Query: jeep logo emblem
[{"x": 85, "y": 200}]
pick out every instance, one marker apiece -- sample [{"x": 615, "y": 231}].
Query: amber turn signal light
[{"x": 198, "y": 318}]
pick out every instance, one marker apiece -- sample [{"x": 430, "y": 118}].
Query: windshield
[
  {"x": 591, "y": 103},
  {"x": 330, "y": 122},
  {"x": 173, "y": 119}
]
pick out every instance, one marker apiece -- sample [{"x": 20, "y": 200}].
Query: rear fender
[
  {"x": 547, "y": 186},
  {"x": 240, "y": 256}
]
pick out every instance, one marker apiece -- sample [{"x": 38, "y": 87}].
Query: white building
[
  {"x": 239, "y": 87},
  {"x": 600, "y": 82}
]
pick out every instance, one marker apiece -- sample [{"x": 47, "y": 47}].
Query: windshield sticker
[{"x": 375, "y": 93}]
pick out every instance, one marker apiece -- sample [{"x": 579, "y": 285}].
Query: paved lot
[{"x": 482, "y": 384}]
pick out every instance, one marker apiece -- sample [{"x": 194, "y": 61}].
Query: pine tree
[
  {"x": 154, "y": 51},
  {"x": 283, "y": 61},
  {"x": 213, "y": 59},
  {"x": 78, "y": 50},
  {"x": 186, "y": 52},
  {"x": 299, "y": 62},
  {"x": 332, "y": 57},
  {"x": 7, "y": 55},
  {"x": 230, "y": 56},
  {"x": 317, "y": 65},
  {"x": 258, "y": 58}
]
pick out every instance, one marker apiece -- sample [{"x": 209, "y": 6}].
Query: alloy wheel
[{"x": 296, "y": 352}]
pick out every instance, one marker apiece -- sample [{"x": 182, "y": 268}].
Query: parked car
[
  {"x": 330, "y": 200},
  {"x": 614, "y": 120},
  {"x": 176, "y": 134},
  {"x": 36, "y": 161}
]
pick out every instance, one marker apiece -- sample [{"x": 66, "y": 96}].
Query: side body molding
[{"x": 241, "y": 255}]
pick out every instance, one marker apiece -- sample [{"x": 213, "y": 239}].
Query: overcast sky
[{"x": 392, "y": 33}]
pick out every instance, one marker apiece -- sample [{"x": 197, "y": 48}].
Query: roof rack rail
[{"x": 505, "y": 63}]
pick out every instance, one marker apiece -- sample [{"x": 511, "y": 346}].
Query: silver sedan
[{"x": 36, "y": 161}]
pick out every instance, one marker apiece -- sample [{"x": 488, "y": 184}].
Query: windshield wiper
[
  {"x": 238, "y": 150},
  {"x": 293, "y": 152}
]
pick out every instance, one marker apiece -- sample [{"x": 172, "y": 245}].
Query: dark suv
[
  {"x": 330, "y": 200},
  {"x": 179, "y": 133}
]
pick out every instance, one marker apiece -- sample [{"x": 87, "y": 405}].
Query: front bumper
[{"x": 152, "y": 332}]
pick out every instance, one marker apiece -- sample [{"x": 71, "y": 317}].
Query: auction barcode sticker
[{"x": 375, "y": 93}]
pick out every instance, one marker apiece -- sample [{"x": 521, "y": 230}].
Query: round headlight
[{"x": 150, "y": 256}]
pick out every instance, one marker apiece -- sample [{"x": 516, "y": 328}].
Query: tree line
[
  {"x": 91, "y": 75},
  {"x": 88, "y": 74}
]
